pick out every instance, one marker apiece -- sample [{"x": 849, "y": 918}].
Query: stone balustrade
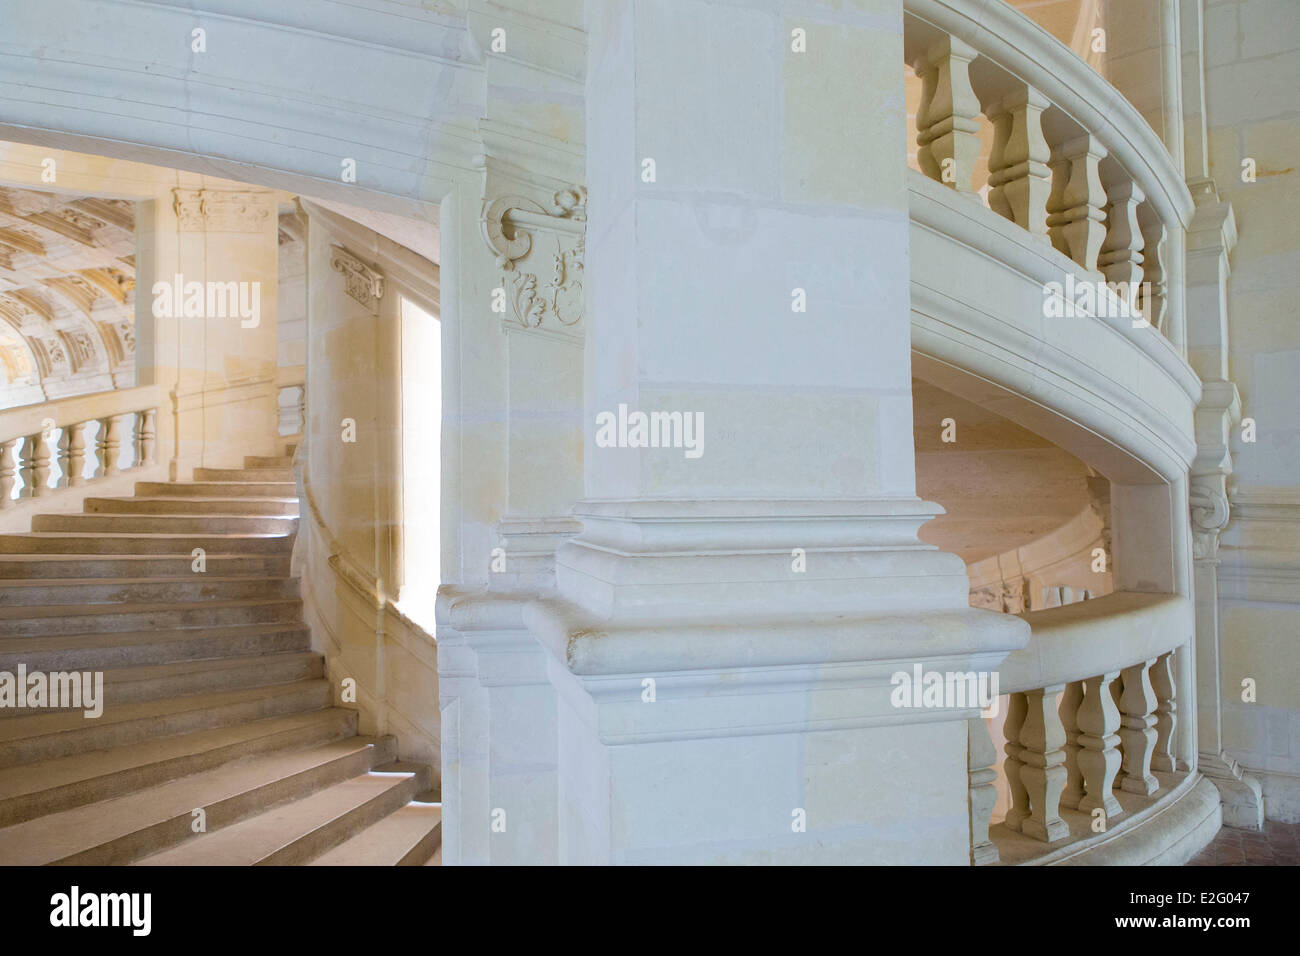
[
  {"x": 1070, "y": 160},
  {"x": 75, "y": 441},
  {"x": 1091, "y": 711}
]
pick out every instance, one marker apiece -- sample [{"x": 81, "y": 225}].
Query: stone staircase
[{"x": 213, "y": 699}]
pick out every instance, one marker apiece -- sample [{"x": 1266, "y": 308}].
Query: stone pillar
[
  {"x": 206, "y": 321},
  {"x": 1211, "y": 238},
  {"x": 748, "y": 579},
  {"x": 512, "y": 244}
]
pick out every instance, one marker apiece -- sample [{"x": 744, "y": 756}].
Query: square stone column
[
  {"x": 749, "y": 578},
  {"x": 207, "y": 275}
]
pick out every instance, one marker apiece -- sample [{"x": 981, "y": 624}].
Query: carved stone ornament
[
  {"x": 221, "y": 210},
  {"x": 1208, "y": 499},
  {"x": 989, "y": 598},
  {"x": 126, "y": 334},
  {"x": 524, "y": 234},
  {"x": 361, "y": 282},
  {"x": 1009, "y": 597}
]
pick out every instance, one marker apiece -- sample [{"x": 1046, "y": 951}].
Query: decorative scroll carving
[
  {"x": 362, "y": 283},
  {"x": 1209, "y": 511},
  {"x": 549, "y": 299},
  {"x": 220, "y": 210}
]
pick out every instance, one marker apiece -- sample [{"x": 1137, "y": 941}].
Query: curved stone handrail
[
  {"x": 23, "y": 420},
  {"x": 1016, "y": 43},
  {"x": 1092, "y": 703},
  {"x": 1070, "y": 161},
  {"x": 1118, "y": 397},
  {"x": 1096, "y": 637}
]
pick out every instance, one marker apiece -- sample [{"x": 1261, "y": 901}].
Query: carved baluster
[
  {"x": 947, "y": 126},
  {"x": 981, "y": 755},
  {"x": 1000, "y": 116},
  {"x": 1116, "y": 692},
  {"x": 8, "y": 472},
  {"x": 929, "y": 82},
  {"x": 1060, "y": 168},
  {"x": 1022, "y": 178},
  {"x": 1077, "y": 205},
  {"x": 1017, "y": 708},
  {"x": 1121, "y": 254},
  {"x": 72, "y": 455},
  {"x": 302, "y": 409},
  {"x": 108, "y": 446},
  {"x": 145, "y": 437},
  {"x": 1162, "y": 682},
  {"x": 1099, "y": 756},
  {"x": 1138, "y": 734},
  {"x": 1042, "y": 769},
  {"x": 1156, "y": 299},
  {"x": 36, "y": 465},
  {"x": 1070, "y": 701}
]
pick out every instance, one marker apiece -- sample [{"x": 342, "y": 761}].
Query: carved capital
[
  {"x": 540, "y": 295},
  {"x": 221, "y": 210},
  {"x": 362, "y": 282}
]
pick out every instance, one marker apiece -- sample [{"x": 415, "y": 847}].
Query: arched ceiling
[{"x": 67, "y": 294}]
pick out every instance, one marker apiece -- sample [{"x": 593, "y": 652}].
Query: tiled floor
[{"x": 1277, "y": 845}]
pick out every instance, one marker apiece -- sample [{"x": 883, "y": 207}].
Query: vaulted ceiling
[
  {"x": 67, "y": 294},
  {"x": 1002, "y": 486}
]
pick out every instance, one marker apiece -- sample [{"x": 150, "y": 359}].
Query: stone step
[
  {"x": 212, "y": 697},
  {"x": 243, "y": 474},
  {"x": 24, "y": 740},
  {"x": 55, "y": 542},
  {"x": 276, "y": 507},
  {"x": 58, "y": 567},
  {"x": 97, "y": 619},
  {"x": 409, "y": 836},
  {"x": 130, "y": 685},
  {"x": 216, "y": 489},
  {"x": 30, "y": 790},
  {"x": 194, "y": 587},
  {"x": 166, "y": 524},
  {"x": 299, "y": 831},
  {"x": 137, "y": 648},
  {"x": 119, "y": 830}
]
